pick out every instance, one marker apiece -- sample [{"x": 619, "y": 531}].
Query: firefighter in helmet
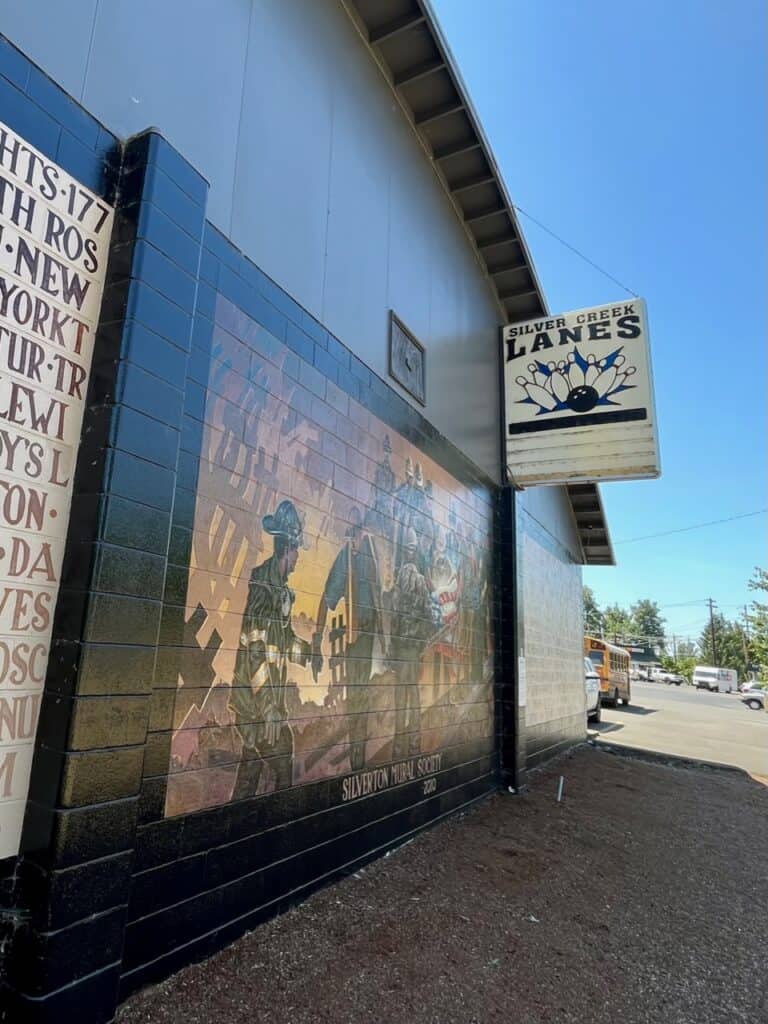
[{"x": 267, "y": 644}]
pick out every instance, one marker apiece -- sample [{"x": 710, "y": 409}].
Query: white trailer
[{"x": 718, "y": 680}]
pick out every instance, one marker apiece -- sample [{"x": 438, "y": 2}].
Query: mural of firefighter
[
  {"x": 338, "y": 599},
  {"x": 267, "y": 643}
]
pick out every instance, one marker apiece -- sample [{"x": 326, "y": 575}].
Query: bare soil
[{"x": 641, "y": 898}]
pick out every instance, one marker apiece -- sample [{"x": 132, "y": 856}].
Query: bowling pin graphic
[
  {"x": 575, "y": 372},
  {"x": 605, "y": 381},
  {"x": 543, "y": 398},
  {"x": 536, "y": 374},
  {"x": 592, "y": 372},
  {"x": 560, "y": 386}
]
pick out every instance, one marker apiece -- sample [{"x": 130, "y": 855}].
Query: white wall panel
[
  {"x": 551, "y": 508},
  {"x": 57, "y": 36},
  {"x": 411, "y": 247},
  {"x": 177, "y": 65},
  {"x": 355, "y": 276},
  {"x": 280, "y": 210}
]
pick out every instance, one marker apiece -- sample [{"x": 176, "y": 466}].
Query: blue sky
[{"x": 635, "y": 131}]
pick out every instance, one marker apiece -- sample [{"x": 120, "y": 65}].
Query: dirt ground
[{"x": 641, "y": 898}]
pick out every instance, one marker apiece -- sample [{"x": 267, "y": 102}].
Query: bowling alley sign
[{"x": 579, "y": 397}]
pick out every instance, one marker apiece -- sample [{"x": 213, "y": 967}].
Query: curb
[{"x": 670, "y": 760}]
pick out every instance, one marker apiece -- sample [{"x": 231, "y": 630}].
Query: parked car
[
  {"x": 673, "y": 678},
  {"x": 592, "y": 690},
  {"x": 749, "y": 685},
  {"x": 754, "y": 699}
]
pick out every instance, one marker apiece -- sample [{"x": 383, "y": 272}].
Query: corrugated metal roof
[{"x": 405, "y": 40}]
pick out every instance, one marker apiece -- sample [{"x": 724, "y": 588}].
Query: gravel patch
[{"x": 640, "y": 898}]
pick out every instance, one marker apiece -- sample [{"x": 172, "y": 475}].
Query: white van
[{"x": 718, "y": 680}]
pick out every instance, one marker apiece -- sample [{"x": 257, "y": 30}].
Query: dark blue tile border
[
  {"x": 44, "y": 114},
  {"x": 14, "y": 65}
]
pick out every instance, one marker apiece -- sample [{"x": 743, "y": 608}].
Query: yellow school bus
[{"x": 612, "y": 665}]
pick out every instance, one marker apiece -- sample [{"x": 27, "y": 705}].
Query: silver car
[
  {"x": 592, "y": 689},
  {"x": 754, "y": 699}
]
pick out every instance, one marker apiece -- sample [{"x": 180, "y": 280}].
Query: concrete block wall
[{"x": 550, "y": 583}]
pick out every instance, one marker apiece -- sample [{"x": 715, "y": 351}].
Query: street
[{"x": 690, "y": 723}]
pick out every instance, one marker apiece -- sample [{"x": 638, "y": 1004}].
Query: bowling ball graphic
[{"x": 582, "y": 398}]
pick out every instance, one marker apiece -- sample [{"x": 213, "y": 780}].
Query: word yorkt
[{"x": 377, "y": 779}]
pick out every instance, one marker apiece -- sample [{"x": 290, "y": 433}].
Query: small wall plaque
[{"x": 407, "y": 359}]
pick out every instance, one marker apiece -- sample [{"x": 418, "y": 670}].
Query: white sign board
[
  {"x": 54, "y": 240},
  {"x": 579, "y": 397}
]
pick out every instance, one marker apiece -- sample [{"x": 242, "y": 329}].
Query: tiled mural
[{"x": 338, "y": 600}]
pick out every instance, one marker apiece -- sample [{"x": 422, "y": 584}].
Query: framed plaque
[{"x": 407, "y": 359}]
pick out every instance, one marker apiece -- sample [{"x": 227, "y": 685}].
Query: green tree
[
  {"x": 757, "y": 623},
  {"x": 593, "y": 617},
  {"x": 683, "y": 664},
  {"x": 617, "y": 622},
  {"x": 730, "y": 648},
  {"x": 647, "y": 620},
  {"x": 686, "y": 649}
]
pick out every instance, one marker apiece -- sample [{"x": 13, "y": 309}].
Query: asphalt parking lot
[{"x": 689, "y": 723}]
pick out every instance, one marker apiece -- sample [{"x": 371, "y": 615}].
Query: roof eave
[{"x": 591, "y": 524}]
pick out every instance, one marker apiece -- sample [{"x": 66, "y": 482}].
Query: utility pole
[
  {"x": 674, "y": 647},
  {"x": 745, "y": 639},
  {"x": 712, "y": 627}
]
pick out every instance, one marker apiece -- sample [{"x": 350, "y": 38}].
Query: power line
[
  {"x": 697, "y": 526},
  {"x": 573, "y": 249},
  {"x": 684, "y": 604}
]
